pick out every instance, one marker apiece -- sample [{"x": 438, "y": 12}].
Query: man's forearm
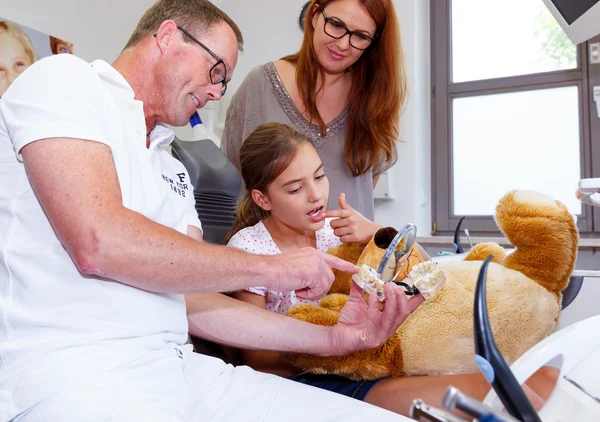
[
  {"x": 222, "y": 319},
  {"x": 134, "y": 250}
]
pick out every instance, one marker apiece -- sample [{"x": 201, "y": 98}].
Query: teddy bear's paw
[
  {"x": 529, "y": 197},
  {"x": 522, "y": 204},
  {"x": 483, "y": 250},
  {"x": 426, "y": 278},
  {"x": 536, "y": 221},
  {"x": 544, "y": 235}
]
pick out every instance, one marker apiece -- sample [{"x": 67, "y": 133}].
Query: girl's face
[
  {"x": 13, "y": 60},
  {"x": 337, "y": 55},
  {"x": 297, "y": 197}
]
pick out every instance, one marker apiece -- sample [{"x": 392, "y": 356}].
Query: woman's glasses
[{"x": 336, "y": 29}]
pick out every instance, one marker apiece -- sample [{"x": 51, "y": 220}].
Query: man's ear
[
  {"x": 261, "y": 200},
  {"x": 165, "y": 33}
]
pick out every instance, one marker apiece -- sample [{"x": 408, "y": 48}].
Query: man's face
[{"x": 185, "y": 71}]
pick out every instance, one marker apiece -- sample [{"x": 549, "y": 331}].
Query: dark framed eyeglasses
[
  {"x": 336, "y": 29},
  {"x": 218, "y": 71}
]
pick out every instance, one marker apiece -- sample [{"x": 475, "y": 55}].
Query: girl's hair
[
  {"x": 264, "y": 155},
  {"x": 17, "y": 32},
  {"x": 378, "y": 91}
]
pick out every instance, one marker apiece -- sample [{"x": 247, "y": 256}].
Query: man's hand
[
  {"x": 362, "y": 326},
  {"x": 307, "y": 271},
  {"x": 349, "y": 225}
]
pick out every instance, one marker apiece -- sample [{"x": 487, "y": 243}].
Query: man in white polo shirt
[{"x": 99, "y": 240}]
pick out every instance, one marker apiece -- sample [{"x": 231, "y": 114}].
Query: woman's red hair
[{"x": 378, "y": 89}]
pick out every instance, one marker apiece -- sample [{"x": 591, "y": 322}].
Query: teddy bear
[{"x": 523, "y": 285}]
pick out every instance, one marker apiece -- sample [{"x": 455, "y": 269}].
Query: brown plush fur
[
  {"x": 349, "y": 252},
  {"x": 483, "y": 250},
  {"x": 523, "y": 295}
]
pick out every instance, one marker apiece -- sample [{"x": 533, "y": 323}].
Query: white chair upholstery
[{"x": 576, "y": 349}]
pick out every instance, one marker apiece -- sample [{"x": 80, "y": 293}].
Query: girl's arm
[{"x": 259, "y": 360}]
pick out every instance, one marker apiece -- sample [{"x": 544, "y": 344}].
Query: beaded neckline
[{"x": 302, "y": 124}]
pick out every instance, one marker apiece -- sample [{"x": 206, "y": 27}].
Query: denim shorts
[{"x": 354, "y": 389}]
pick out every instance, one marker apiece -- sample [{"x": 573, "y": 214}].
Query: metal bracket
[
  {"x": 597, "y": 99},
  {"x": 595, "y": 53}
]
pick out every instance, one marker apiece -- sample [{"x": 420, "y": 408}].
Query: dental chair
[{"x": 217, "y": 185}]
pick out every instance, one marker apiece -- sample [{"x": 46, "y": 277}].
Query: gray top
[{"x": 262, "y": 98}]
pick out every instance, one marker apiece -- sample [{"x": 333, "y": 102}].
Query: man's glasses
[
  {"x": 218, "y": 71},
  {"x": 336, "y": 29}
]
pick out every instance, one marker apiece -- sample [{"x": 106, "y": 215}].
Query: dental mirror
[
  {"x": 395, "y": 258},
  {"x": 397, "y": 253}
]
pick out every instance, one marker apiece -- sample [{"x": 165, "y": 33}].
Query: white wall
[
  {"x": 100, "y": 29},
  {"x": 411, "y": 176},
  {"x": 270, "y": 32}
]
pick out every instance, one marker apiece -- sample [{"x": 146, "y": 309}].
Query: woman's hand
[{"x": 349, "y": 225}]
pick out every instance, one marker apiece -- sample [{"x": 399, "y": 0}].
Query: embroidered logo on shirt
[{"x": 180, "y": 188}]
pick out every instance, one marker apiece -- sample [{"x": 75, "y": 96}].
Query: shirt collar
[{"x": 161, "y": 136}]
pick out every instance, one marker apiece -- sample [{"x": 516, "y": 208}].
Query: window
[{"x": 512, "y": 108}]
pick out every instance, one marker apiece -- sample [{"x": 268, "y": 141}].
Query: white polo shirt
[{"x": 57, "y": 326}]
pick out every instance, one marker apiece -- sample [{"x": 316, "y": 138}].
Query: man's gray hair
[{"x": 196, "y": 16}]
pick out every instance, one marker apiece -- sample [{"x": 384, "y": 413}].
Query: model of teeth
[
  {"x": 369, "y": 281},
  {"x": 427, "y": 278}
]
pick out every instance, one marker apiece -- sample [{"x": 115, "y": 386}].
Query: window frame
[{"x": 443, "y": 91}]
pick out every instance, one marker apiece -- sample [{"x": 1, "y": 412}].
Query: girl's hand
[{"x": 349, "y": 225}]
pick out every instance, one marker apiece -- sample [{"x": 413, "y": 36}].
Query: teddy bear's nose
[{"x": 384, "y": 237}]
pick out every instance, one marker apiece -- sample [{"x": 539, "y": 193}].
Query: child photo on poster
[{"x": 21, "y": 46}]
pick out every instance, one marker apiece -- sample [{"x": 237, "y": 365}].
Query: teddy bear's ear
[{"x": 384, "y": 237}]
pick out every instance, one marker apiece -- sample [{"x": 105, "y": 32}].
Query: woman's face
[
  {"x": 13, "y": 60},
  {"x": 337, "y": 55},
  {"x": 297, "y": 198}
]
